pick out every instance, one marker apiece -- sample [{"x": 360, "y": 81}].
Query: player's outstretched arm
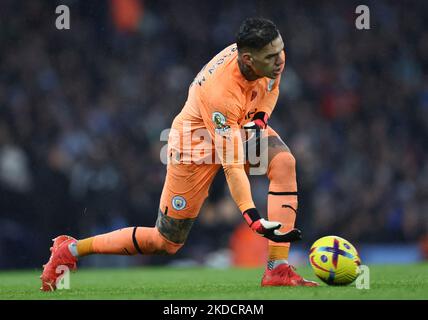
[{"x": 239, "y": 187}]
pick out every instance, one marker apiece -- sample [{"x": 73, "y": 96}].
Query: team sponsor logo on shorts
[
  {"x": 220, "y": 123},
  {"x": 178, "y": 203}
]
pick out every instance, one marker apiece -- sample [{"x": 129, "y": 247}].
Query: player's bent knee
[
  {"x": 275, "y": 146},
  {"x": 172, "y": 248},
  {"x": 168, "y": 247},
  {"x": 174, "y": 231},
  {"x": 282, "y": 166},
  {"x": 160, "y": 245}
]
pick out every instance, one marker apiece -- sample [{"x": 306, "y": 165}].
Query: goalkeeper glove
[
  {"x": 269, "y": 229},
  {"x": 259, "y": 122}
]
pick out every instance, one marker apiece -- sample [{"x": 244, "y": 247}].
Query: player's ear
[{"x": 247, "y": 58}]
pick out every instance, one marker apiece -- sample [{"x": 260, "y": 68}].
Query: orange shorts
[{"x": 186, "y": 187}]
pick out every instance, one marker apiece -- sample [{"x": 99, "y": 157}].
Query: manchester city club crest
[{"x": 178, "y": 203}]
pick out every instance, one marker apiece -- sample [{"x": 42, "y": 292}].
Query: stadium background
[{"x": 81, "y": 112}]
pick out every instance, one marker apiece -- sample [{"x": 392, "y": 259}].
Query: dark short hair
[{"x": 255, "y": 33}]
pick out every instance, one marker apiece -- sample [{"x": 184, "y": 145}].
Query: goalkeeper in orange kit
[{"x": 236, "y": 91}]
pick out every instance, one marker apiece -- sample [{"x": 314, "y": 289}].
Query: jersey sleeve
[{"x": 221, "y": 116}]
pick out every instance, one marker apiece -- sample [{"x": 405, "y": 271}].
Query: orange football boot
[
  {"x": 285, "y": 275},
  {"x": 60, "y": 256}
]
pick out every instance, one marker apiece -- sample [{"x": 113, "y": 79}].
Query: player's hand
[
  {"x": 269, "y": 229},
  {"x": 259, "y": 122}
]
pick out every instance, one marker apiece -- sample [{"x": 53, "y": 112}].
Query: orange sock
[
  {"x": 128, "y": 241},
  {"x": 84, "y": 247},
  {"x": 278, "y": 252},
  {"x": 282, "y": 200}
]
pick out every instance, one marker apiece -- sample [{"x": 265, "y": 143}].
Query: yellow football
[{"x": 334, "y": 260}]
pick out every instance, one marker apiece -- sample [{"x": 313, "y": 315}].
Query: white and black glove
[
  {"x": 254, "y": 127},
  {"x": 269, "y": 229}
]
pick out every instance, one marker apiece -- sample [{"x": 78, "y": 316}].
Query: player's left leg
[
  {"x": 282, "y": 207},
  {"x": 185, "y": 189}
]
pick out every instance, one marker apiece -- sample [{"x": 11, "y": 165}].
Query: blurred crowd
[{"x": 81, "y": 112}]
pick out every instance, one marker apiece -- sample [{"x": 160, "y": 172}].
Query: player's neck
[{"x": 247, "y": 72}]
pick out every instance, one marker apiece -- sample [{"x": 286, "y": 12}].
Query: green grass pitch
[{"x": 386, "y": 282}]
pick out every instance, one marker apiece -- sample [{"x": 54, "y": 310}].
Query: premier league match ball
[{"x": 334, "y": 260}]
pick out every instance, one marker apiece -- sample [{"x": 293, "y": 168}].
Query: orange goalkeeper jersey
[{"x": 220, "y": 101}]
